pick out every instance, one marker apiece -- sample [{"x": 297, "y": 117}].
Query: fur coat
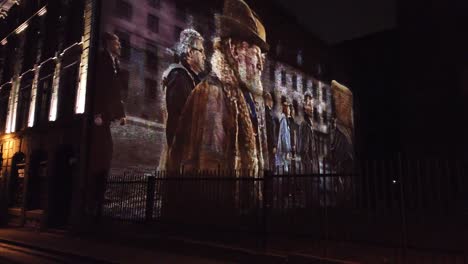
[{"x": 219, "y": 127}]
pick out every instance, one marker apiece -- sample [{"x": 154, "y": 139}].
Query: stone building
[{"x": 44, "y": 54}]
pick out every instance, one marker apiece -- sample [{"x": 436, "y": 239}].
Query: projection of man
[
  {"x": 179, "y": 79},
  {"x": 308, "y": 144},
  {"x": 341, "y": 135},
  {"x": 219, "y": 124},
  {"x": 108, "y": 107},
  {"x": 283, "y": 147},
  {"x": 271, "y": 130}
]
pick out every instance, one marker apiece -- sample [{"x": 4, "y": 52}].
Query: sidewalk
[
  {"x": 93, "y": 251},
  {"x": 148, "y": 249}
]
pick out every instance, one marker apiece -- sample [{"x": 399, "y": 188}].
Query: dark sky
[{"x": 334, "y": 21}]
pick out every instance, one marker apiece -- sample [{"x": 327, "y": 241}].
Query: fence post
[
  {"x": 267, "y": 177},
  {"x": 401, "y": 176},
  {"x": 150, "y": 188}
]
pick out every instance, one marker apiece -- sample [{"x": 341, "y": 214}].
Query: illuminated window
[
  {"x": 154, "y": 3},
  {"x": 123, "y": 9},
  {"x": 152, "y": 23}
]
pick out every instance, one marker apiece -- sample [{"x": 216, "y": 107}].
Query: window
[
  {"x": 324, "y": 94},
  {"x": 283, "y": 78},
  {"x": 152, "y": 22},
  {"x": 24, "y": 98},
  {"x": 314, "y": 88},
  {"x": 4, "y": 96},
  {"x": 154, "y": 3},
  {"x": 151, "y": 61},
  {"x": 44, "y": 97},
  {"x": 294, "y": 82},
  {"x": 316, "y": 117},
  {"x": 123, "y": 9},
  {"x": 304, "y": 85},
  {"x": 150, "y": 88},
  {"x": 125, "y": 43}
]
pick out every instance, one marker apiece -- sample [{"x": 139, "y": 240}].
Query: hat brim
[{"x": 230, "y": 27}]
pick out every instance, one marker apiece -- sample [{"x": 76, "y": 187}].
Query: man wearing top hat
[{"x": 219, "y": 126}]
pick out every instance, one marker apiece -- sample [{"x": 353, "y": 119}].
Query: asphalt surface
[{"x": 19, "y": 246}]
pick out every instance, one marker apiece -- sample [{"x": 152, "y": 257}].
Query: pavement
[
  {"x": 149, "y": 249},
  {"x": 85, "y": 250}
]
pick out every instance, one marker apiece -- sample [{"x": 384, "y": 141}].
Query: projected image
[{"x": 180, "y": 90}]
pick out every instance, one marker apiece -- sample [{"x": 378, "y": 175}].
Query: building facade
[
  {"x": 148, "y": 31},
  {"x": 44, "y": 60},
  {"x": 45, "y": 64}
]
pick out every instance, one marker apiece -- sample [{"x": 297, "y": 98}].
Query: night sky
[{"x": 334, "y": 21}]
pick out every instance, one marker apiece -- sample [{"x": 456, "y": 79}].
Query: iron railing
[{"x": 417, "y": 208}]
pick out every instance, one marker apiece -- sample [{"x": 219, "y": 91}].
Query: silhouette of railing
[{"x": 394, "y": 203}]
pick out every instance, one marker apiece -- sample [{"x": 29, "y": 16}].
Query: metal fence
[{"x": 417, "y": 208}]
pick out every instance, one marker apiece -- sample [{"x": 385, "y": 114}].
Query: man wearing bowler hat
[{"x": 219, "y": 126}]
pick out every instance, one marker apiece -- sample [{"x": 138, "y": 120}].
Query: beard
[{"x": 250, "y": 79}]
